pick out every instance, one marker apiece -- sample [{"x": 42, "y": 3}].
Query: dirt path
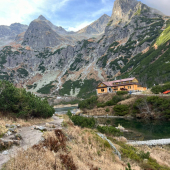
[{"x": 30, "y": 137}]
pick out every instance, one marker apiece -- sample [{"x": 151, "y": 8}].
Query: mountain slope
[
  {"x": 39, "y": 35},
  {"x": 125, "y": 10},
  {"x": 97, "y": 27},
  {"x": 58, "y": 30},
  {"x": 165, "y": 36},
  {"x": 127, "y": 48},
  {"x": 12, "y": 30}
]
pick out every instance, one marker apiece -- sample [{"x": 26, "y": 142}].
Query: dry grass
[
  {"x": 147, "y": 92},
  {"x": 84, "y": 150},
  {"x": 129, "y": 101},
  {"x": 3, "y": 129},
  {"x": 15, "y": 121},
  {"x": 102, "y": 98},
  {"x": 99, "y": 111},
  {"x": 160, "y": 154}
]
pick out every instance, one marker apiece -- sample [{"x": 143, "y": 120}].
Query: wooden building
[{"x": 129, "y": 84}]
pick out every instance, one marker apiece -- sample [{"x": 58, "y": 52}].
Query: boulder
[
  {"x": 5, "y": 153},
  {"x": 41, "y": 128},
  {"x": 18, "y": 136},
  {"x": 145, "y": 161},
  {"x": 8, "y": 133}
]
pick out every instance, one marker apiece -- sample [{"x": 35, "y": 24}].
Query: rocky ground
[{"x": 18, "y": 137}]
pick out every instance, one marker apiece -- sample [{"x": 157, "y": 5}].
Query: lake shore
[{"x": 68, "y": 105}]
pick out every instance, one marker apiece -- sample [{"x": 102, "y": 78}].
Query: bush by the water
[
  {"x": 21, "y": 103},
  {"x": 156, "y": 104},
  {"x": 83, "y": 121},
  {"x": 121, "y": 110},
  {"x": 69, "y": 114},
  {"x": 121, "y": 92},
  {"x": 159, "y": 104},
  {"x": 88, "y": 103},
  {"x": 109, "y": 130}
]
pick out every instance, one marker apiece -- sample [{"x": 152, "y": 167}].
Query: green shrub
[
  {"x": 107, "y": 110},
  {"x": 46, "y": 89},
  {"x": 83, "y": 121},
  {"x": 109, "y": 130},
  {"x": 110, "y": 103},
  {"x": 136, "y": 105},
  {"x": 101, "y": 104},
  {"x": 122, "y": 92},
  {"x": 160, "y": 89},
  {"x": 88, "y": 103},
  {"x": 69, "y": 114},
  {"x": 129, "y": 167},
  {"x": 156, "y": 89},
  {"x": 144, "y": 155},
  {"x": 21, "y": 103},
  {"x": 22, "y": 72},
  {"x": 117, "y": 99},
  {"x": 121, "y": 110},
  {"x": 162, "y": 105}
]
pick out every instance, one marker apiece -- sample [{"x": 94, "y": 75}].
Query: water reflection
[
  {"x": 64, "y": 110},
  {"x": 140, "y": 129}
]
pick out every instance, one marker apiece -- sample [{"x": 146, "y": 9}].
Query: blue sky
[{"x": 70, "y": 14}]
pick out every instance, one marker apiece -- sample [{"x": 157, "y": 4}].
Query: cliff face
[
  {"x": 39, "y": 35},
  {"x": 124, "y": 10},
  {"x": 127, "y": 48},
  {"x": 96, "y": 27}
]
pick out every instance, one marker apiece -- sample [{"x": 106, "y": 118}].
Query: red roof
[{"x": 110, "y": 83}]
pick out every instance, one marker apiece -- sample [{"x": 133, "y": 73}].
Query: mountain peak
[
  {"x": 41, "y": 17},
  {"x": 124, "y": 10},
  {"x": 105, "y": 15}
]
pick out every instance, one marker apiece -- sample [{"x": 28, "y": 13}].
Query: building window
[
  {"x": 129, "y": 87},
  {"x": 102, "y": 90}
]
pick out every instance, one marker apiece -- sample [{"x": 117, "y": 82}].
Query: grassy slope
[
  {"x": 87, "y": 88},
  {"x": 165, "y": 36},
  {"x": 151, "y": 67}
]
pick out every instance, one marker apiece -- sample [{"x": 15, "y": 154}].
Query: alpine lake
[
  {"x": 137, "y": 129},
  {"x": 140, "y": 129}
]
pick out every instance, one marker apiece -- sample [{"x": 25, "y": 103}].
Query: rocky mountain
[
  {"x": 97, "y": 27},
  {"x": 59, "y": 30},
  {"x": 9, "y": 33},
  {"x": 135, "y": 43},
  {"x": 125, "y": 10},
  {"x": 39, "y": 35},
  {"x": 12, "y": 30}
]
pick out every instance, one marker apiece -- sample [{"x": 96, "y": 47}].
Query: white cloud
[
  {"x": 21, "y": 10},
  {"x": 79, "y": 26},
  {"x": 162, "y": 5}
]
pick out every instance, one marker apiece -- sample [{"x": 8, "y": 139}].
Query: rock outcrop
[
  {"x": 97, "y": 27},
  {"x": 124, "y": 10},
  {"x": 40, "y": 35}
]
